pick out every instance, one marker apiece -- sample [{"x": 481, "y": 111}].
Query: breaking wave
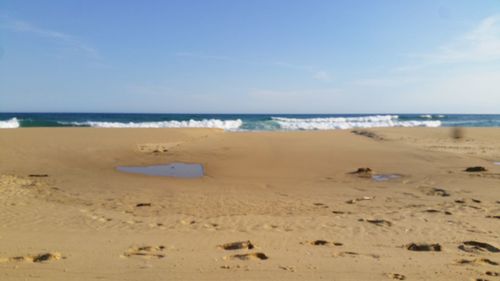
[
  {"x": 429, "y": 116},
  {"x": 9, "y": 124},
  {"x": 245, "y": 122},
  {"x": 206, "y": 123},
  {"x": 332, "y": 123}
]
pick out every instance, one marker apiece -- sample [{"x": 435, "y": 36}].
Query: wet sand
[{"x": 271, "y": 206}]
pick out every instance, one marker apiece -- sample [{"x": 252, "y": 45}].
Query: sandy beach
[{"x": 288, "y": 199}]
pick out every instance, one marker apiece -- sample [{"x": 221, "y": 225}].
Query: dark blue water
[{"x": 238, "y": 122}]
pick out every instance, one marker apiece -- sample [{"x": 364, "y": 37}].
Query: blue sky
[{"x": 250, "y": 56}]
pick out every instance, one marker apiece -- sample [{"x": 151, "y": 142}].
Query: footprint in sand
[
  {"x": 38, "y": 175},
  {"x": 146, "y": 252},
  {"x": 346, "y": 253},
  {"x": 156, "y": 148},
  {"x": 477, "y": 261},
  {"x": 249, "y": 256},
  {"x": 210, "y": 226},
  {"x": 463, "y": 201},
  {"x": 187, "y": 222},
  {"x": 43, "y": 257},
  {"x": 432, "y": 191},
  {"x": 234, "y": 267},
  {"x": 287, "y": 268},
  {"x": 340, "y": 212},
  {"x": 379, "y": 222},
  {"x": 95, "y": 216},
  {"x": 139, "y": 205},
  {"x": 352, "y": 201},
  {"x": 321, "y": 242},
  {"x": 476, "y": 247},
  {"x": 433, "y": 211},
  {"x": 321, "y": 205},
  {"x": 242, "y": 245},
  {"x": 367, "y": 134},
  {"x": 397, "y": 276},
  {"x": 354, "y": 254},
  {"x": 237, "y": 245},
  {"x": 423, "y": 247}
]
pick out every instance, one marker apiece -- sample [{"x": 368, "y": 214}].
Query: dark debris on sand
[
  {"x": 143, "y": 205},
  {"x": 238, "y": 245},
  {"x": 424, "y": 247},
  {"x": 367, "y": 134},
  {"x": 475, "y": 246},
  {"x": 363, "y": 172},
  {"x": 476, "y": 169}
]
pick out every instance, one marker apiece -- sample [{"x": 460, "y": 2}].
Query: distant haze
[{"x": 261, "y": 56}]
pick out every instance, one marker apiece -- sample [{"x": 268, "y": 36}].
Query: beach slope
[{"x": 271, "y": 205}]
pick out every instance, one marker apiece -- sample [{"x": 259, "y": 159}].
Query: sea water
[{"x": 245, "y": 122}]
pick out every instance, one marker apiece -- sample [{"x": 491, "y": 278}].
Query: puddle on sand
[
  {"x": 178, "y": 170},
  {"x": 385, "y": 177}
]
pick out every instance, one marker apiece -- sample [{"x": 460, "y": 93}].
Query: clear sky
[{"x": 250, "y": 56}]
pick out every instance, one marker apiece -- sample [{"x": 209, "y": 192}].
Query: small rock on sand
[{"x": 476, "y": 169}]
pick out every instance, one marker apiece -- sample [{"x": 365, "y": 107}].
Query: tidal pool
[
  {"x": 178, "y": 170},
  {"x": 385, "y": 177}
]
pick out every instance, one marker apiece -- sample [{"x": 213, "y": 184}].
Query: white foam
[
  {"x": 349, "y": 122},
  {"x": 206, "y": 123},
  {"x": 428, "y": 116},
  {"x": 9, "y": 124}
]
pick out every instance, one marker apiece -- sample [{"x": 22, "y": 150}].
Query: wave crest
[
  {"x": 10, "y": 124},
  {"x": 332, "y": 123},
  {"x": 206, "y": 123}
]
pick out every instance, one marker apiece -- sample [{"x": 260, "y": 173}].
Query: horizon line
[{"x": 241, "y": 113}]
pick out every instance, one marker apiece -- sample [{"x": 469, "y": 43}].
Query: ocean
[{"x": 245, "y": 122}]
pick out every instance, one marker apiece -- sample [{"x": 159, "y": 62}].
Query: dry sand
[{"x": 287, "y": 198}]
